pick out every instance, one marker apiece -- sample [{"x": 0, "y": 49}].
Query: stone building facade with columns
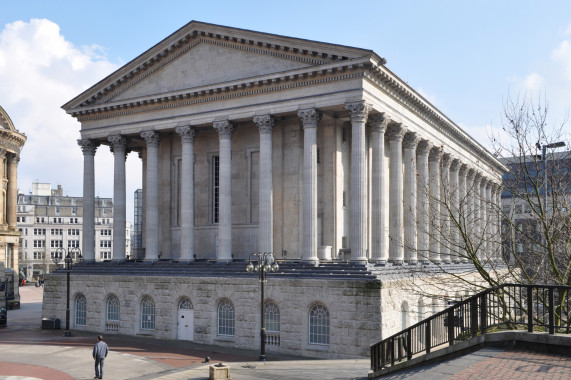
[
  {"x": 252, "y": 142},
  {"x": 11, "y": 143}
]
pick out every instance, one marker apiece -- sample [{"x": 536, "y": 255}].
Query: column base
[
  {"x": 313, "y": 261},
  {"x": 396, "y": 261},
  {"x": 360, "y": 260}
]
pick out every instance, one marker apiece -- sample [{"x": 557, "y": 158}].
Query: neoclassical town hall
[{"x": 253, "y": 142}]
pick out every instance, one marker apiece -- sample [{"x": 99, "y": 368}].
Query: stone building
[
  {"x": 252, "y": 142},
  {"x": 11, "y": 142},
  {"x": 48, "y": 220}
]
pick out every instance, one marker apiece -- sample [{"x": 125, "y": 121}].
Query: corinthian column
[
  {"x": 88, "y": 148},
  {"x": 12, "y": 193},
  {"x": 455, "y": 208},
  {"x": 119, "y": 149},
  {"x": 410, "y": 142},
  {"x": 423, "y": 204},
  {"x": 445, "y": 207},
  {"x": 476, "y": 207},
  {"x": 2, "y": 158},
  {"x": 187, "y": 136},
  {"x": 225, "y": 130},
  {"x": 359, "y": 233},
  {"x": 309, "y": 118},
  {"x": 435, "y": 236},
  {"x": 379, "y": 252},
  {"x": 151, "y": 192},
  {"x": 395, "y": 134},
  {"x": 265, "y": 125}
]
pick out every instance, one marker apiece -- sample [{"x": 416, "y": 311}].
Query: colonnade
[{"x": 430, "y": 192}]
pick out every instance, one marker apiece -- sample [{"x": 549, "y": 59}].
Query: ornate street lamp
[
  {"x": 262, "y": 262},
  {"x": 74, "y": 253}
]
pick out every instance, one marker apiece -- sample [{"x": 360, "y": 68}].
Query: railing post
[
  {"x": 529, "y": 308},
  {"x": 451, "y": 323},
  {"x": 427, "y": 336},
  {"x": 474, "y": 316},
  {"x": 483, "y": 313},
  {"x": 392, "y": 350},
  {"x": 409, "y": 344},
  {"x": 383, "y": 355},
  {"x": 551, "y": 312}
]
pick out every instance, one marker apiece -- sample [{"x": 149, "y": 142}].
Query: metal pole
[
  {"x": 67, "y": 332},
  {"x": 546, "y": 251},
  {"x": 262, "y": 327}
]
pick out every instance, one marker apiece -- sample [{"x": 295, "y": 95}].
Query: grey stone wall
[{"x": 354, "y": 309}]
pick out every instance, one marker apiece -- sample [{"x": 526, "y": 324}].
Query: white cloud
[
  {"x": 39, "y": 72},
  {"x": 533, "y": 82},
  {"x": 562, "y": 55}
]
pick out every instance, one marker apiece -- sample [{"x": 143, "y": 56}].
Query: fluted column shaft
[
  {"x": 119, "y": 149},
  {"x": 409, "y": 197},
  {"x": 477, "y": 215},
  {"x": 88, "y": 148},
  {"x": 435, "y": 228},
  {"x": 4, "y": 213},
  {"x": 265, "y": 125},
  {"x": 359, "y": 232},
  {"x": 488, "y": 221},
  {"x": 378, "y": 124},
  {"x": 469, "y": 206},
  {"x": 445, "y": 205},
  {"x": 225, "y": 130},
  {"x": 12, "y": 193},
  {"x": 423, "y": 205},
  {"x": 151, "y": 192},
  {"x": 187, "y": 137},
  {"x": 309, "y": 118},
  {"x": 396, "y": 227},
  {"x": 455, "y": 207}
]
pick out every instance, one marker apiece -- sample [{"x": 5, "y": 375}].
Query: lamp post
[
  {"x": 262, "y": 262},
  {"x": 68, "y": 260},
  {"x": 544, "y": 159}
]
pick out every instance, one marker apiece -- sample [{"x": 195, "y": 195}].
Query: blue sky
[{"x": 463, "y": 56}]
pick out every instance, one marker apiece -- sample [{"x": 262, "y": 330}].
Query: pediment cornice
[
  {"x": 309, "y": 76},
  {"x": 310, "y": 52}
]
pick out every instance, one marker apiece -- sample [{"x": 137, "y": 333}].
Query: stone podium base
[{"x": 219, "y": 372}]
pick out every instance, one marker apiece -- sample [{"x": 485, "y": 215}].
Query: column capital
[
  {"x": 118, "y": 142},
  {"x": 2, "y": 153},
  {"x": 379, "y": 122},
  {"x": 265, "y": 123},
  {"x": 13, "y": 158},
  {"x": 88, "y": 146},
  {"x": 455, "y": 165},
  {"x": 152, "y": 138},
  {"x": 187, "y": 133},
  {"x": 470, "y": 173},
  {"x": 435, "y": 154},
  {"x": 424, "y": 147},
  {"x": 446, "y": 160},
  {"x": 463, "y": 170},
  {"x": 358, "y": 110},
  {"x": 396, "y": 132},
  {"x": 309, "y": 117},
  {"x": 410, "y": 140},
  {"x": 225, "y": 129}
]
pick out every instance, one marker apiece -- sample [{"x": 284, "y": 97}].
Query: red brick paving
[
  {"x": 518, "y": 364},
  {"x": 19, "y": 369}
]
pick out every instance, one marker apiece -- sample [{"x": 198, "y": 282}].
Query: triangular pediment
[
  {"x": 206, "y": 64},
  {"x": 201, "y": 54}
]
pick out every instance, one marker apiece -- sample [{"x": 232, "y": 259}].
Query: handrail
[{"x": 510, "y": 306}]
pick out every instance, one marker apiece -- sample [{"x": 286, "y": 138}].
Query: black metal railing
[{"x": 508, "y": 306}]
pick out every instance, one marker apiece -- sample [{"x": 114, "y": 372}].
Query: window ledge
[
  {"x": 318, "y": 347},
  {"x": 224, "y": 338}
]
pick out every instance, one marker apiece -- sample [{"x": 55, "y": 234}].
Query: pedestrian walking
[{"x": 100, "y": 351}]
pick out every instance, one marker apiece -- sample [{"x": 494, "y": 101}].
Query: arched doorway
[{"x": 185, "y": 320}]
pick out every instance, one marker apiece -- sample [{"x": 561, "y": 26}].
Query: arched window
[
  {"x": 147, "y": 314},
  {"x": 185, "y": 304},
  {"x": 272, "y": 317},
  {"x": 113, "y": 308},
  {"x": 319, "y": 325},
  {"x": 226, "y": 318},
  {"x": 80, "y": 310}
]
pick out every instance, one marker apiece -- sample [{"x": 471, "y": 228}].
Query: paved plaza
[{"x": 31, "y": 353}]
